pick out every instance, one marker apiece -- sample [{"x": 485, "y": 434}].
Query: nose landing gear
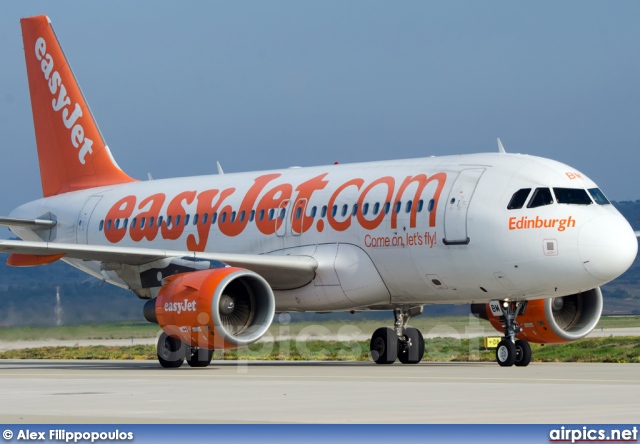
[{"x": 511, "y": 351}]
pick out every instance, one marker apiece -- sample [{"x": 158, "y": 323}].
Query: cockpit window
[
  {"x": 598, "y": 196},
  {"x": 573, "y": 196},
  {"x": 541, "y": 197},
  {"x": 518, "y": 199}
]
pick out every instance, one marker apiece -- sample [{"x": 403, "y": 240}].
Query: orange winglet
[
  {"x": 31, "y": 260},
  {"x": 72, "y": 154}
]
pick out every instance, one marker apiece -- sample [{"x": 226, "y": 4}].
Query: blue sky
[{"x": 262, "y": 85}]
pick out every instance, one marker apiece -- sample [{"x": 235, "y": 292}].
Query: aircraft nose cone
[{"x": 607, "y": 246}]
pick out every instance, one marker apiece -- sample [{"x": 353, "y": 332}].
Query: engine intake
[{"x": 214, "y": 309}]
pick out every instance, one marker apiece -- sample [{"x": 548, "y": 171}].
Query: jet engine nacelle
[
  {"x": 215, "y": 309},
  {"x": 553, "y": 320}
]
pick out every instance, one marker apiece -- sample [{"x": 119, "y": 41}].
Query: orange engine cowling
[
  {"x": 215, "y": 309},
  {"x": 553, "y": 320}
]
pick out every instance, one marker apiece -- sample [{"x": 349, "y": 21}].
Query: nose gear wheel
[{"x": 511, "y": 351}]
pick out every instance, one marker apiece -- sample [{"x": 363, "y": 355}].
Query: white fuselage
[{"x": 404, "y": 232}]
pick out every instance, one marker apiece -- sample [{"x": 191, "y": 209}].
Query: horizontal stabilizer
[{"x": 32, "y": 224}]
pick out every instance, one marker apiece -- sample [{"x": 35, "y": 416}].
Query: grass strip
[
  {"x": 618, "y": 349},
  {"x": 428, "y": 325}
]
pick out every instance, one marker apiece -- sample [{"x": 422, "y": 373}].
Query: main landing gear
[
  {"x": 405, "y": 344},
  {"x": 172, "y": 353},
  {"x": 511, "y": 351}
]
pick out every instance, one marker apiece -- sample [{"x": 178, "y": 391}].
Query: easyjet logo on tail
[{"x": 61, "y": 103}]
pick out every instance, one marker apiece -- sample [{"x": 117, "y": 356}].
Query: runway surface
[{"x": 317, "y": 392}]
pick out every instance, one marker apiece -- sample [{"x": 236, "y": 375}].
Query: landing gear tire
[
  {"x": 411, "y": 350},
  {"x": 506, "y": 353},
  {"x": 171, "y": 351},
  {"x": 523, "y": 353},
  {"x": 199, "y": 357},
  {"x": 384, "y": 346}
]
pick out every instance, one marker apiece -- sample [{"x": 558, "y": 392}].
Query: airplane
[{"x": 527, "y": 241}]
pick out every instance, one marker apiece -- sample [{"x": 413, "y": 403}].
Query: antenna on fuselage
[
  {"x": 500, "y": 147},
  {"x": 219, "y": 168}
]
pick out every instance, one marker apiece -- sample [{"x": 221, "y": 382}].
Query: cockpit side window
[
  {"x": 541, "y": 197},
  {"x": 518, "y": 199},
  {"x": 572, "y": 196},
  {"x": 598, "y": 196}
]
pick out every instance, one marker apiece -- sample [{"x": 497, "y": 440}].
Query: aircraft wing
[{"x": 281, "y": 271}]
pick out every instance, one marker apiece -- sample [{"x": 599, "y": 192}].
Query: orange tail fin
[{"x": 72, "y": 154}]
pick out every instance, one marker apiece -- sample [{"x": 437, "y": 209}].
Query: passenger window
[
  {"x": 271, "y": 214},
  {"x": 334, "y": 210},
  {"x": 151, "y": 221},
  {"x": 298, "y": 212},
  {"x": 387, "y": 207},
  {"x": 160, "y": 221},
  {"x": 324, "y": 211},
  {"x": 376, "y": 208},
  {"x": 261, "y": 215},
  {"x": 133, "y": 222},
  {"x": 598, "y": 196},
  {"x": 178, "y": 220},
  {"x": 168, "y": 221},
  {"x": 408, "y": 206},
  {"x": 432, "y": 203},
  {"x": 355, "y": 210},
  {"x": 365, "y": 209},
  {"x": 195, "y": 219},
  {"x": 205, "y": 217},
  {"x": 345, "y": 208},
  {"x": 252, "y": 215},
  {"x": 223, "y": 217},
  {"x": 420, "y": 205},
  {"x": 186, "y": 219},
  {"x": 518, "y": 199},
  {"x": 233, "y": 216},
  {"x": 117, "y": 223},
  {"x": 282, "y": 213},
  {"x": 101, "y": 226},
  {"x": 314, "y": 210},
  {"x": 242, "y": 215},
  {"x": 126, "y": 222},
  {"x": 109, "y": 225},
  {"x": 572, "y": 196},
  {"x": 397, "y": 207},
  {"x": 142, "y": 222},
  {"x": 214, "y": 218},
  {"x": 541, "y": 197}
]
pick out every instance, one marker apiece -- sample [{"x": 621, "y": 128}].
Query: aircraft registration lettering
[{"x": 263, "y": 197}]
